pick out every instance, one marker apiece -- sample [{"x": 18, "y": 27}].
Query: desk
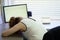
[{"x": 5, "y": 26}]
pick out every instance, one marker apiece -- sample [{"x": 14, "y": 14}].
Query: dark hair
[
  {"x": 17, "y": 20},
  {"x": 12, "y": 22}
]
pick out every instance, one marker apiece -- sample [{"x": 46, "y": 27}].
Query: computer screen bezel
[{"x": 4, "y": 16}]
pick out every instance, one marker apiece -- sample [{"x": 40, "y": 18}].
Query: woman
[{"x": 31, "y": 29}]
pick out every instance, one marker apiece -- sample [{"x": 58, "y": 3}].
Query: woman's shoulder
[{"x": 28, "y": 19}]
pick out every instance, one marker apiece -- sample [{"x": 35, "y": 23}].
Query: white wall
[
  {"x": 0, "y": 13},
  {"x": 42, "y": 8}
]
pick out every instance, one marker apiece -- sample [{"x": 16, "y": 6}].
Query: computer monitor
[{"x": 14, "y": 11}]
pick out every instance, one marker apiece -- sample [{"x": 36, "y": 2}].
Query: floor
[{"x": 12, "y": 37}]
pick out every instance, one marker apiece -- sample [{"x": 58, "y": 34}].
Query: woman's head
[{"x": 13, "y": 21}]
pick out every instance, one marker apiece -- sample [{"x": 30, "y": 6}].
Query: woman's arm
[{"x": 19, "y": 26}]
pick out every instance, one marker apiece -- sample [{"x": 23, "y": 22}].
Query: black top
[{"x": 53, "y": 34}]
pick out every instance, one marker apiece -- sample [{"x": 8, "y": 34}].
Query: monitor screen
[{"x": 15, "y": 11}]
